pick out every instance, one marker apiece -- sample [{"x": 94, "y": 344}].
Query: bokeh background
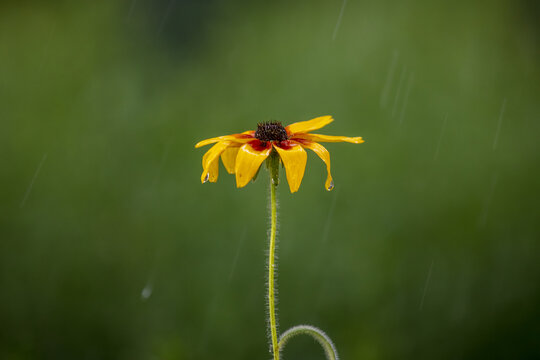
[{"x": 110, "y": 247}]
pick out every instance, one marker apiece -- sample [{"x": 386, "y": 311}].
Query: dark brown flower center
[{"x": 271, "y": 131}]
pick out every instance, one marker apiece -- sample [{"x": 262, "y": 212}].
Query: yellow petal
[
  {"x": 210, "y": 161},
  {"x": 228, "y": 157},
  {"x": 294, "y": 159},
  {"x": 238, "y": 138},
  {"x": 306, "y": 126},
  {"x": 328, "y": 138},
  {"x": 325, "y": 156},
  {"x": 211, "y": 174},
  {"x": 248, "y": 162}
]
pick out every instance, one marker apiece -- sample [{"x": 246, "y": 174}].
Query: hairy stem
[
  {"x": 330, "y": 351},
  {"x": 273, "y": 166}
]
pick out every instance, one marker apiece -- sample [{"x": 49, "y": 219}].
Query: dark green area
[{"x": 428, "y": 247}]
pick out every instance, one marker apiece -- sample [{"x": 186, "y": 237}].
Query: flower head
[{"x": 242, "y": 154}]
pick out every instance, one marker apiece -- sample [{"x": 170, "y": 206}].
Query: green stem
[
  {"x": 273, "y": 167},
  {"x": 330, "y": 351},
  {"x": 271, "y": 272}
]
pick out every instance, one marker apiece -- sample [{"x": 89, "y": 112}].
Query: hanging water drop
[
  {"x": 206, "y": 177},
  {"x": 330, "y": 186}
]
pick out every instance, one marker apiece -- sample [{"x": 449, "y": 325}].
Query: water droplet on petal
[
  {"x": 206, "y": 178},
  {"x": 331, "y": 186}
]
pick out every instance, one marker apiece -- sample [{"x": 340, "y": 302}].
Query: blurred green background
[{"x": 110, "y": 247}]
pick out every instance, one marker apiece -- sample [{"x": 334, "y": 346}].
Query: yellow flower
[{"x": 242, "y": 154}]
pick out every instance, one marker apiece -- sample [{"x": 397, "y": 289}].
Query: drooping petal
[
  {"x": 294, "y": 159},
  {"x": 228, "y": 157},
  {"x": 212, "y": 172},
  {"x": 306, "y": 126},
  {"x": 242, "y": 138},
  {"x": 325, "y": 156},
  {"x": 210, "y": 161},
  {"x": 248, "y": 161},
  {"x": 328, "y": 138}
]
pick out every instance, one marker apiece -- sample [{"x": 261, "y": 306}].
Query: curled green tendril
[{"x": 319, "y": 335}]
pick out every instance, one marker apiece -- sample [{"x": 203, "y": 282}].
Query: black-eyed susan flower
[{"x": 242, "y": 154}]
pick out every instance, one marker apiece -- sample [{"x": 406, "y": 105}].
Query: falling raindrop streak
[
  {"x": 440, "y": 138},
  {"x": 496, "y": 140},
  {"x": 131, "y": 8},
  {"x": 33, "y": 180},
  {"x": 238, "y": 248},
  {"x": 165, "y": 17},
  {"x": 406, "y": 99},
  {"x": 339, "y": 20},
  {"x": 398, "y": 92},
  {"x": 426, "y": 285}
]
